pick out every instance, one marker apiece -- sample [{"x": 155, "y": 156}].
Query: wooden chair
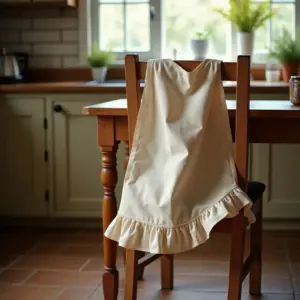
[{"x": 239, "y": 72}]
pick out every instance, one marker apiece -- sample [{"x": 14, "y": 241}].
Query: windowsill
[{"x": 114, "y": 87}]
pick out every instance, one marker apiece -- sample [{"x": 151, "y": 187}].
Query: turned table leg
[{"x": 109, "y": 211}]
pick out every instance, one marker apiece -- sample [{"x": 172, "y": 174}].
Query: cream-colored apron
[{"x": 181, "y": 176}]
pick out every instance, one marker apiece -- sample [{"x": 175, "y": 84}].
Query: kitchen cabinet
[
  {"x": 22, "y": 147},
  {"x": 50, "y": 161},
  {"x": 278, "y": 167},
  {"x": 75, "y": 159},
  {"x": 45, "y": 3}
]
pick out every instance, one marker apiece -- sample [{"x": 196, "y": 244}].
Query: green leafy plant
[
  {"x": 286, "y": 49},
  {"x": 98, "y": 58},
  {"x": 247, "y": 16},
  {"x": 202, "y": 35}
]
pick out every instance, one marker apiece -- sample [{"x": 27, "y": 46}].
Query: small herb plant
[
  {"x": 202, "y": 35},
  {"x": 247, "y": 16},
  {"x": 98, "y": 58},
  {"x": 286, "y": 49}
]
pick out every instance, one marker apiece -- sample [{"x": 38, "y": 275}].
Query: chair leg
[
  {"x": 140, "y": 255},
  {"x": 131, "y": 275},
  {"x": 256, "y": 247},
  {"x": 141, "y": 270},
  {"x": 167, "y": 271},
  {"x": 236, "y": 257}
]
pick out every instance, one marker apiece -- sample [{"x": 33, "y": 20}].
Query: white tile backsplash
[
  {"x": 70, "y": 36},
  {"x": 45, "y": 62},
  {"x": 39, "y": 36},
  {"x": 55, "y": 49},
  {"x": 50, "y": 36},
  {"x": 70, "y": 61},
  {"x": 12, "y": 23},
  {"x": 18, "y": 48},
  {"x": 55, "y": 23},
  {"x": 10, "y": 36}
]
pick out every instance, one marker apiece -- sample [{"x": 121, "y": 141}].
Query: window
[
  {"x": 264, "y": 36},
  {"x": 154, "y": 28}
]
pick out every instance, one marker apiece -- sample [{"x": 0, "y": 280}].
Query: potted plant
[
  {"x": 199, "y": 44},
  {"x": 247, "y": 17},
  {"x": 99, "y": 61},
  {"x": 286, "y": 50}
]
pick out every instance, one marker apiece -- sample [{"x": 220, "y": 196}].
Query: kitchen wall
[{"x": 49, "y": 35}]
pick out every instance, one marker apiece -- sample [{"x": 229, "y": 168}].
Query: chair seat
[{"x": 255, "y": 190}]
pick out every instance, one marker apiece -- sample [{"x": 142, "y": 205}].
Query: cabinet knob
[{"x": 57, "y": 108}]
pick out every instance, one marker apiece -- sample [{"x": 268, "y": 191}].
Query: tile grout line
[
  {"x": 84, "y": 265},
  {"x": 23, "y": 282},
  {"x": 19, "y": 257}
]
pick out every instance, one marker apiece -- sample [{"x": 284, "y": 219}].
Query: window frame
[{"x": 87, "y": 21}]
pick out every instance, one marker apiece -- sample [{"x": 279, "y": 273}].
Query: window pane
[
  {"x": 137, "y": 27},
  {"x": 111, "y": 27},
  {"x": 285, "y": 17},
  {"x": 185, "y": 18},
  {"x": 261, "y": 39}
]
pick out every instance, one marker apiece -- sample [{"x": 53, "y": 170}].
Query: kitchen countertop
[{"x": 118, "y": 86}]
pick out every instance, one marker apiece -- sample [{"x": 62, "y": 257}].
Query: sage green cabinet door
[
  {"x": 76, "y": 161},
  {"x": 278, "y": 166},
  {"x": 23, "y": 167}
]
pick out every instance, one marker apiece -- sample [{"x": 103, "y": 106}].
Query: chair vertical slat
[
  {"x": 242, "y": 113},
  {"x": 133, "y": 93}
]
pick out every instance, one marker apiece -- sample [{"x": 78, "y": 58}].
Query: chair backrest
[{"x": 232, "y": 71}]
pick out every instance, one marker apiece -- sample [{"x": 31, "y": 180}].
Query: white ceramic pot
[
  {"x": 99, "y": 74},
  {"x": 245, "y": 43},
  {"x": 199, "y": 48}
]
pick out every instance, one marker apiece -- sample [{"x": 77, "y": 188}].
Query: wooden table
[{"x": 270, "y": 122}]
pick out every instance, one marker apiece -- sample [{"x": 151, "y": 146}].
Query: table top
[
  {"x": 119, "y": 86},
  {"x": 258, "y": 109}
]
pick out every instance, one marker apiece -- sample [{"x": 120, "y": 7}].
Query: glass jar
[
  {"x": 272, "y": 71},
  {"x": 295, "y": 90}
]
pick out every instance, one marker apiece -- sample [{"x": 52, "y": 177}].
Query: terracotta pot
[{"x": 288, "y": 70}]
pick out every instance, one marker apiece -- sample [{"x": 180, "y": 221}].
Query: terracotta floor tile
[
  {"x": 190, "y": 295},
  {"x": 14, "y": 275},
  {"x": 66, "y": 278},
  {"x": 295, "y": 269},
  {"x": 281, "y": 269},
  {"x": 7, "y": 259},
  {"x": 190, "y": 267},
  {"x": 60, "y": 248},
  {"x": 9, "y": 292},
  {"x": 75, "y": 294},
  {"x": 294, "y": 255},
  {"x": 273, "y": 285},
  {"x": 69, "y": 265},
  {"x": 205, "y": 283},
  {"x": 98, "y": 295},
  {"x": 296, "y": 283},
  {"x": 166, "y": 295},
  {"x": 269, "y": 297},
  {"x": 80, "y": 237},
  {"x": 18, "y": 243},
  {"x": 53, "y": 262}
]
